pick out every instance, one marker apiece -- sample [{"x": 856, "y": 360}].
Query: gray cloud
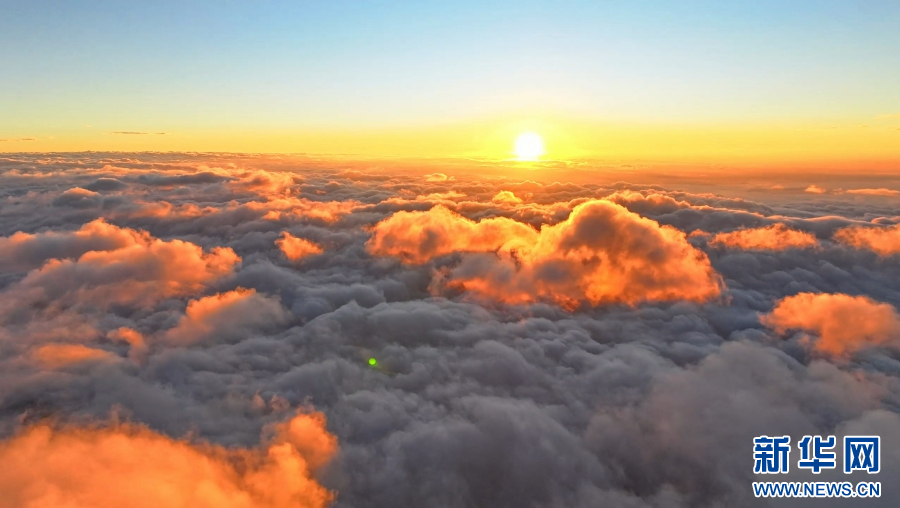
[{"x": 472, "y": 402}]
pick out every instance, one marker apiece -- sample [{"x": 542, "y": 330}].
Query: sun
[{"x": 529, "y": 146}]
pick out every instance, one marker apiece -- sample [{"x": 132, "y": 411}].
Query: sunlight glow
[{"x": 529, "y": 146}]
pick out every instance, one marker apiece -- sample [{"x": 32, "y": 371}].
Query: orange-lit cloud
[
  {"x": 416, "y": 237},
  {"x": 77, "y": 197},
  {"x": 449, "y": 199},
  {"x": 506, "y": 197},
  {"x": 54, "y": 356},
  {"x": 883, "y": 240},
  {"x": 225, "y": 313},
  {"x": 138, "y": 351},
  {"x": 297, "y": 248},
  {"x": 140, "y": 272},
  {"x": 815, "y": 189},
  {"x": 23, "y": 251},
  {"x": 875, "y": 192},
  {"x": 131, "y": 465},
  {"x": 162, "y": 210},
  {"x": 843, "y": 323},
  {"x": 602, "y": 253},
  {"x": 266, "y": 183},
  {"x": 774, "y": 237},
  {"x": 291, "y": 207},
  {"x": 437, "y": 177},
  {"x": 643, "y": 203}
]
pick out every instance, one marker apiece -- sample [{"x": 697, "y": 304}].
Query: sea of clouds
[{"x": 196, "y": 329}]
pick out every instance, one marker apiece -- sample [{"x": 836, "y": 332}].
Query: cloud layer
[
  {"x": 130, "y": 465},
  {"x": 550, "y": 338}
]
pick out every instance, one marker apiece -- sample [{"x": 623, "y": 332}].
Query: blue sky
[{"x": 362, "y": 65}]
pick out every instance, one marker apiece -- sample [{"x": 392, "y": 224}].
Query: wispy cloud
[
  {"x": 19, "y": 139},
  {"x": 875, "y": 192}
]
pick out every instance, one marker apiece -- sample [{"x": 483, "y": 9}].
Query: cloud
[
  {"x": 602, "y": 253},
  {"x": 137, "y": 133},
  {"x": 24, "y": 251},
  {"x": 106, "y": 184},
  {"x": 874, "y": 192},
  {"x": 139, "y": 272},
  {"x": 78, "y": 198},
  {"x": 506, "y": 197},
  {"x": 54, "y": 356},
  {"x": 647, "y": 203},
  {"x": 437, "y": 177},
  {"x": 885, "y": 241},
  {"x": 695, "y": 423},
  {"x": 188, "y": 179},
  {"x": 297, "y": 248},
  {"x": 290, "y": 208},
  {"x": 131, "y": 465},
  {"x": 138, "y": 346},
  {"x": 225, "y": 315},
  {"x": 815, "y": 189},
  {"x": 263, "y": 182},
  {"x": 774, "y": 237},
  {"x": 843, "y": 323},
  {"x": 167, "y": 302},
  {"x": 416, "y": 237}
]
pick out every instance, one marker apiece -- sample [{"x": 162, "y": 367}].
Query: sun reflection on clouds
[{"x": 431, "y": 308}]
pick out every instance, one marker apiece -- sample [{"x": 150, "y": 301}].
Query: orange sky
[{"x": 820, "y": 146}]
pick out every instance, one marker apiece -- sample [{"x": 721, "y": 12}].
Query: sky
[{"x": 788, "y": 82}]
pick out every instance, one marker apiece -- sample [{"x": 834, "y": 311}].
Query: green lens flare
[{"x": 373, "y": 362}]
